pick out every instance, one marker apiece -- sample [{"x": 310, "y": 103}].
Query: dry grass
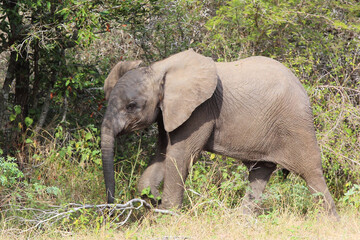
[
  {"x": 229, "y": 224},
  {"x": 234, "y": 226}
]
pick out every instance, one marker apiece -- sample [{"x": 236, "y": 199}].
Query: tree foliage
[{"x": 39, "y": 37}]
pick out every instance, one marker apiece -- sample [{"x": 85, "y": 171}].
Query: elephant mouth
[
  {"x": 136, "y": 128},
  {"x": 133, "y": 125}
]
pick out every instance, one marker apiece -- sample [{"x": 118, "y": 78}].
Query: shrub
[{"x": 9, "y": 172}]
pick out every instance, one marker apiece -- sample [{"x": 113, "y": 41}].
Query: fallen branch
[{"x": 40, "y": 217}]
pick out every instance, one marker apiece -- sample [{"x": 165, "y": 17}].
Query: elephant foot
[
  {"x": 169, "y": 205},
  {"x": 251, "y": 207},
  {"x": 155, "y": 202}
]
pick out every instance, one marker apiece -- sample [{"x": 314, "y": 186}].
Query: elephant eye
[{"x": 131, "y": 106}]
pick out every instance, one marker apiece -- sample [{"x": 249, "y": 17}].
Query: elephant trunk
[{"x": 107, "y": 149}]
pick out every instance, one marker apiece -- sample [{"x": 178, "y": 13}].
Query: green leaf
[
  {"x": 340, "y": 24},
  {"x": 28, "y": 140},
  {"x": 17, "y": 109},
  {"x": 12, "y": 117},
  {"x": 88, "y": 136},
  {"x": 348, "y": 131},
  {"x": 28, "y": 121},
  {"x": 146, "y": 192}
]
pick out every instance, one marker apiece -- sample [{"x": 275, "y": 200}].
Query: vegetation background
[{"x": 54, "y": 57}]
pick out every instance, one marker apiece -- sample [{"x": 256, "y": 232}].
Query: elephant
[
  {"x": 116, "y": 72},
  {"x": 254, "y": 110}
]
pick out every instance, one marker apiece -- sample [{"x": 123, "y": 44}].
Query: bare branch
[{"x": 41, "y": 217}]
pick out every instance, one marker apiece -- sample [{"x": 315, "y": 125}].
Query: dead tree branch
[{"x": 110, "y": 212}]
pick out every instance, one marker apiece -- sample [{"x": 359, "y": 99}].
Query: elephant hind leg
[
  {"x": 303, "y": 157},
  {"x": 259, "y": 175},
  {"x": 316, "y": 184}
]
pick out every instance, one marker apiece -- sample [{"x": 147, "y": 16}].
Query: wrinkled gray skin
[{"x": 254, "y": 110}]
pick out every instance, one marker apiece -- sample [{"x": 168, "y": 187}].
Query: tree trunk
[
  {"x": 37, "y": 77},
  {"x": 22, "y": 86},
  {"x": 5, "y": 130},
  {"x": 18, "y": 69}
]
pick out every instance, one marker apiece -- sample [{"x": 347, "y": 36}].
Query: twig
[
  {"x": 63, "y": 119},
  {"x": 338, "y": 154},
  {"x": 339, "y": 118},
  {"x": 339, "y": 88},
  {"x": 94, "y": 88}
]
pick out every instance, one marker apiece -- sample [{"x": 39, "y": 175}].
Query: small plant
[
  {"x": 9, "y": 172},
  {"x": 147, "y": 193},
  {"x": 352, "y": 197},
  {"x": 290, "y": 195}
]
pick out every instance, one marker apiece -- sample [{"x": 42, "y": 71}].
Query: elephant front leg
[
  {"x": 184, "y": 146},
  {"x": 176, "y": 172},
  {"x": 154, "y": 173}
]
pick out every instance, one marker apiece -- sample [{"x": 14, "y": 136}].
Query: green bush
[
  {"x": 9, "y": 172},
  {"x": 352, "y": 197}
]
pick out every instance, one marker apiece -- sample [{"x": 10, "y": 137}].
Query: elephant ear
[
  {"x": 188, "y": 79},
  {"x": 116, "y": 73}
]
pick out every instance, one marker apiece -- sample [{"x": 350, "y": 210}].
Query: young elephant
[{"x": 254, "y": 110}]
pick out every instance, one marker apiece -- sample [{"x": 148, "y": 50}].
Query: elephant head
[
  {"x": 116, "y": 73},
  {"x": 173, "y": 87}
]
